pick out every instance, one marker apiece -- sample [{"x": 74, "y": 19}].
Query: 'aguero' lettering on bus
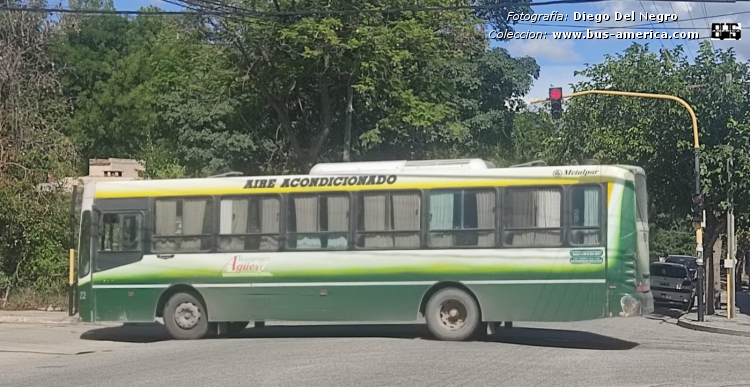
[{"x": 323, "y": 181}]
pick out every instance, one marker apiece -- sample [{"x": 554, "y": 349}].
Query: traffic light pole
[{"x": 697, "y": 153}]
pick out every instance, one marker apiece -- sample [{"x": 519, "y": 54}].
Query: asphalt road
[{"x": 649, "y": 351}]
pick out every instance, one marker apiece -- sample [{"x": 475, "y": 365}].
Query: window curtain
[
  {"x": 485, "y": 217},
  {"x": 193, "y": 214},
  {"x": 591, "y": 207},
  {"x": 522, "y": 210},
  {"x": 233, "y": 220},
  {"x": 376, "y": 219},
  {"x": 406, "y": 216},
  {"x": 547, "y": 216},
  {"x": 591, "y": 214},
  {"x": 338, "y": 220},
  {"x": 269, "y": 222},
  {"x": 441, "y": 218},
  {"x": 226, "y": 216},
  {"x": 306, "y": 212},
  {"x": 166, "y": 219}
]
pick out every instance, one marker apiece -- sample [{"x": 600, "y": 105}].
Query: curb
[
  {"x": 38, "y": 320},
  {"x": 706, "y": 328}
]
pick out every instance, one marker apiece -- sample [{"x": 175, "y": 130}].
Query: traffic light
[
  {"x": 697, "y": 208},
  {"x": 555, "y": 97}
]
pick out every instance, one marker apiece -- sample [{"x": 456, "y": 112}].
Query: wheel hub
[
  {"x": 453, "y": 314},
  {"x": 187, "y": 315}
]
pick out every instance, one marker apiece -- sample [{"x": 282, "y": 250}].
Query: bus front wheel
[
  {"x": 185, "y": 317},
  {"x": 452, "y": 315}
]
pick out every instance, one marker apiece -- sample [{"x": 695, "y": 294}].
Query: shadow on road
[
  {"x": 560, "y": 338},
  {"x": 156, "y": 332},
  {"x": 519, "y": 336},
  {"x": 393, "y": 331},
  {"x": 149, "y": 333}
]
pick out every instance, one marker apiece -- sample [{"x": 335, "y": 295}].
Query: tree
[
  {"x": 32, "y": 152},
  {"x": 149, "y": 85},
  {"x": 400, "y": 73}
]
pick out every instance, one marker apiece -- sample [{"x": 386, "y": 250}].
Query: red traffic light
[{"x": 555, "y": 94}]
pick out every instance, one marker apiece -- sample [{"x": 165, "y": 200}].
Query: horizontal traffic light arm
[{"x": 682, "y": 102}]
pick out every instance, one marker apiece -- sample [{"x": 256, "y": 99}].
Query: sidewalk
[
  {"x": 37, "y": 317},
  {"x": 739, "y": 325}
]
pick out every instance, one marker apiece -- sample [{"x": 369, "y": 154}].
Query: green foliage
[
  {"x": 161, "y": 163},
  {"x": 675, "y": 239},
  {"x": 416, "y": 92},
  {"x": 33, "y": 232}
]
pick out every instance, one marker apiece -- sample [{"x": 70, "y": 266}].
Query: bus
[{"x": 459, "y": 245}]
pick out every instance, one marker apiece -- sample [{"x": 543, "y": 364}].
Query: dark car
[
  {"x": 686, "y": 261},
  {"x": 672, "y": 285}
]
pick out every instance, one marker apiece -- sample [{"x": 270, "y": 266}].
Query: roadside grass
[{"x": 31, "y": 299}]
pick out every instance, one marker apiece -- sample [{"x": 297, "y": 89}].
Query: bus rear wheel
[
  {"x": 185, "y": 317},
  {"x": 452, "y": 315}
]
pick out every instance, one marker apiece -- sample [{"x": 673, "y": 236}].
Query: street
[{"x": 610, "y": 352}]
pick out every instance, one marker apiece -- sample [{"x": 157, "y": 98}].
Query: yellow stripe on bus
[{"x": 156, "y": 192}]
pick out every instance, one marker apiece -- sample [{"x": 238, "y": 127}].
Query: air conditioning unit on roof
[{"x": 399, "y": 166}]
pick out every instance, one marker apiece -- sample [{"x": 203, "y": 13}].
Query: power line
[
  {"x": 678, "y": 24},
  {"x": 651, "y": 23},
  {"x": 248, "y": 12},
  {"x": 705, "y": 16},
  {"x": 657, "y": 10},
  {"x": 693, "y": 23}
]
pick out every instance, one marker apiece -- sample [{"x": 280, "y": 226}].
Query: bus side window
[
  {"x": 459, "y": 218},
  {"x": 318, "y": 222},
  {"x": 585, "y": 222},
  {"x": 120, "y": 232},
  {"x": 183, "y": 225},
  {"x": 249, "y": 223},
  {"x": 532, "y": 217},
  {"x": 388, "y": 220}
]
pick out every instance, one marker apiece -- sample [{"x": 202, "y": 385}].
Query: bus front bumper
[{"x": 635, "y": 304}]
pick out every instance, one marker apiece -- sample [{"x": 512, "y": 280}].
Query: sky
[{"x": 560, "y": 58}]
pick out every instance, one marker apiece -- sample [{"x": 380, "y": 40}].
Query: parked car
[
  {"x": 686, "y": 261},
  {"x": 672, "y": 285}
]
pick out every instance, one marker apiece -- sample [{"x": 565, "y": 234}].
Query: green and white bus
[{"x": 458, "y": 244}]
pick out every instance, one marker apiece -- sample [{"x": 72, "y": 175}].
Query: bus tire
[
  {"x": 185, "y": 317},
  {"x": 452, "y": 315}
]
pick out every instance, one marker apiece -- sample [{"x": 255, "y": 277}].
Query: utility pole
[
  {"x": 731, "y": 244},
  {"x": 697, "y": 173},
  {"x": 713, "y": 280},
  {"x": 729, "y": 263}
]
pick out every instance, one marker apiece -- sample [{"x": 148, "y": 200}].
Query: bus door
[
  {"x": 119, "y": 243},
  {"x": 86, "y": 257}
]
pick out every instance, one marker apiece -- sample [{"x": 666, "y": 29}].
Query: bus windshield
[{"x": 641, "y": 197}]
